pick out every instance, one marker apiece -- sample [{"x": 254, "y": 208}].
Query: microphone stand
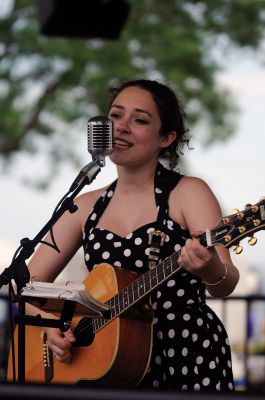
[{"x": 18, "y": 270}]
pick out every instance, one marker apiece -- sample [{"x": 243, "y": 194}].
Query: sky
[{"x": 234, "y": 169}]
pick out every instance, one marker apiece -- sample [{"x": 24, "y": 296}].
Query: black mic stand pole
[{"x": 18, "y": 270}]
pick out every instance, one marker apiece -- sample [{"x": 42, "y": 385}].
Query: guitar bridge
[{"x": 47, "y": 360}]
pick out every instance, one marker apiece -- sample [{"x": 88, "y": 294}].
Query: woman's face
[{"x": 137, "y": 126}]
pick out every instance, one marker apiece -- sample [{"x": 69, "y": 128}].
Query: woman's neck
[{"x": 137, "y": 178}]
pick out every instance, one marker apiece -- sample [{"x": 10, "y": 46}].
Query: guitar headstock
[{"x": 235, "y": 227}]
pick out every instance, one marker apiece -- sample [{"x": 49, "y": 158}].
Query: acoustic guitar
[{"x": 116, "y": 349}]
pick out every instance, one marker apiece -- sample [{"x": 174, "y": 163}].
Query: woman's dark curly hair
[{"x": 171, "y": 114}]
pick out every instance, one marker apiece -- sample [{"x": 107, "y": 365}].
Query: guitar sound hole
[{"x": 84, "y": 332}]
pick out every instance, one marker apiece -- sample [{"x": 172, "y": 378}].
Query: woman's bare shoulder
[
  {"x": 192, "y": 186},
  {"x": 88, "y": 199}
]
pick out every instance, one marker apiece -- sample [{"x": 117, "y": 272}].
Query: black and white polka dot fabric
[{"x": 191, "y": 350}]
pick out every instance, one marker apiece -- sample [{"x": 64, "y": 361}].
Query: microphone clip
[{"x": 86, "y": 175}]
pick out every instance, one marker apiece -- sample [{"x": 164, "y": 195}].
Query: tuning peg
[
  {"x": 252, "y": 241},
  {"x": 240, "y": 214},
  {"x": 256, "y": 222},
  {"x": 238, "y": 249},
  {"x": 248, "y": 205}
]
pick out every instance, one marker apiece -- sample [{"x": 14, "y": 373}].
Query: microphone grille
[{"x": 100, "y": 135}]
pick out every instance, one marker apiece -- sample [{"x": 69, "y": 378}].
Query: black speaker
[{"x": 84, "y": 19}]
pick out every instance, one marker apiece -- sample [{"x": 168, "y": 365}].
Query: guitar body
[{"x": 117, "y": 354}]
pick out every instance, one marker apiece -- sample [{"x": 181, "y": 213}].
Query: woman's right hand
[{"x": 60, "y": 343}]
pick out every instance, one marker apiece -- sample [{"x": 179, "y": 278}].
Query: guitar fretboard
[{"x": 139, "y": 289}]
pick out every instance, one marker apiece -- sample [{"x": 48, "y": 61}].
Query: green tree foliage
[{"x": 47, "y": 83}]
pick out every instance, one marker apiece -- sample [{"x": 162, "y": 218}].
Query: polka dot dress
[{"x": 191, "y": 350}]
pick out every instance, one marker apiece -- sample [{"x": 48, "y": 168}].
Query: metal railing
[{"x": 247, "y": 352}]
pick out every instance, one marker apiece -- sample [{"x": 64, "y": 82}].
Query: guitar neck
[{"x": 140, "y": 288}]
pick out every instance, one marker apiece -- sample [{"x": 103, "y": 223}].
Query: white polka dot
[
  {"x": 96, "y": 246},
  {"x": 180, "y": 292},
  {"x": 93, "y": 216},
  {"x": 206, "y": 343},
  {"x": 171, "y": 371},
  {"x": 185, "y": 333},
  {"x": 190, "y": 301},
  {"x": 197, "y": 387},
  {"x": 229, "y": 364},
  {"x": 170, "y": 225},
  {"x": 154, "y": 305},
  {"x": 171, "y": 283},
  {"x": 127, "y": 252},
  {"x": 156, "y": 384},
  {"x": 157, "y": 190},
  {"x": 196, "y": 370},
  {"x": 219, "y": 328},
  {"x": 185, "y": 351},
  {"x": 227, "y": 341},
  {"x": 87, "y": 256},
  {"x": 215, "y": 337},
  {"x": 186, "y": 317},
  {"x": 199, "y": 360},
  {"x": 171, "y": 353},
  {"x": 139, "y": 263},
  {"x": 223, "y": 350},
  {"x": 158, "y": 360},
  {"x": 184, "y": 370},
  {"x": 224, "y": 372},
  {"x": 212, "y": 365},
  {"x": 171, "y": 333},
  {"x": 138, "y": 241},
  {"x": 117, "y": 244},
  {"x": 170, "y": 316},
  {"x": 167, "y": 238},
  {"x": 177, "y": 247},
  {"x": 218, "y": 386},
  {"x": 205, "y": 381},
  {"x": 117, "y": 263},
  {"x": 109, "y": 236},
  {"x": 158, "y": 294},
  {"x": 160, "y": 335},
  {"x": 129, "y": 236},
  {"x": 167, "y": 304},
  {"x": 105, "y": 255},
  {"x": 155, "y": 320},
  {"x": 110, "y": 193},
  {"x": 147, "y": 251},
  {"x": 209, "y": 316},
  {"x": 231, "y": 386},
  {"x": 199, "y": 322},
  {"x": 194, "y": 337},
  {"x": 91, "y": 237},
  {"x": 184, "y": 388}
]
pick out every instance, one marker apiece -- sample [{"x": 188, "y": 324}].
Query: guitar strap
[{"x": 165, "y": 181}]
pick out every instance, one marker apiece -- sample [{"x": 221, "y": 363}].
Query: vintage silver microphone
[
  {"x": 100, "y": 138},
  {"x": 100, "y": 143}
]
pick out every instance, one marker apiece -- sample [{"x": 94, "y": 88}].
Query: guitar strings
[{"x": 157, "y": 272}]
